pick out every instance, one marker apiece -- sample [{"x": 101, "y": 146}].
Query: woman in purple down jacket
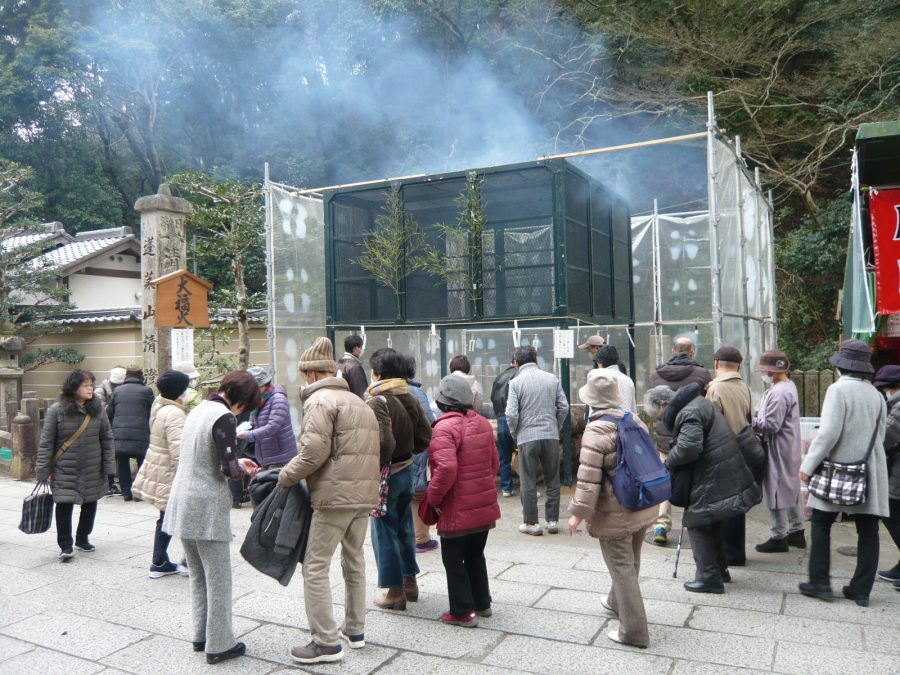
[{"x": 272, "y": 432}]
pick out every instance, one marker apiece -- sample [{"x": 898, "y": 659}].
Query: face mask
[{"x": 766, "y": 378}]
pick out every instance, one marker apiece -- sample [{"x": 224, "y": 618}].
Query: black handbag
[
  {"x": 37, "y": 510},
  {"x": 682, "y": 478}
]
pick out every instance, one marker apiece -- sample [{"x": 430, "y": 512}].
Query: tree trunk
[{"x": 240, "y": 289}]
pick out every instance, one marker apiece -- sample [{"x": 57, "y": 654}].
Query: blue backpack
[{"x": 641, "y": 479}]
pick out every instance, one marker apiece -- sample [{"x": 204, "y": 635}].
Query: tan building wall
[{"x": 108, "y": 346}]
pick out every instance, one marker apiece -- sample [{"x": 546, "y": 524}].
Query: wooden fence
[{"x": 811, "y": 386}]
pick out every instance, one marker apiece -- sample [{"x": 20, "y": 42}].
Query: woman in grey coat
[
  {"x": 78, "y": 476},
  {"x": 852, "y": 428},
  {"x": 199, "y": 510}
]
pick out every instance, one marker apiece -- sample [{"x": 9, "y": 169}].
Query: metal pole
[
  {"x": 773, "y": 306},
  {"x": 582, "y": 153},
  {"x": 270, "y": 271},
  {"x": 657, "y": 283},
  {"x": 738, "y": 176},
  {"x": 715, "y": 272},
  {"x": 627, "y": 146}
]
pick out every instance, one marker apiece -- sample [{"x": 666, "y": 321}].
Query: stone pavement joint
[{"x": 101, "y": 614}]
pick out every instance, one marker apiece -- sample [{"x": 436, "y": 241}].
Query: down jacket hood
[
  {"x": 682, "y": 398},
  {"x": 679, "y": 368}
]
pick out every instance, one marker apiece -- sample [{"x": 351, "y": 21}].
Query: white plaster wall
[{"x": 93, "y": 292}]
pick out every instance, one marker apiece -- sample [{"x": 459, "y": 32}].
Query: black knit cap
[{"x": 172, "y": 384}]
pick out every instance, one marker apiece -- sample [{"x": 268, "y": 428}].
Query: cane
[{"x": 678, "y": 553}]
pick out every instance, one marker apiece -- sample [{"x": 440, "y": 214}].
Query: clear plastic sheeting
[
  {"x": 297, "y": 273},
  {"x": 676, "y": 282}
]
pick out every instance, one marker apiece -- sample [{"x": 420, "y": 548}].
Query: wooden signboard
[{"x": 181, "y": 301}]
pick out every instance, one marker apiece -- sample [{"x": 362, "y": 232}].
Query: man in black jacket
[
  {"x": 721, "y": 485},
  {"x": 351, "y": 368},
  {"x": 129, "y": 413},
  {"x": 505, "y": 443},
  {"x": 679, "y": 371}
]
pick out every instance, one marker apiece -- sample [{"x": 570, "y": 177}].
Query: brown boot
[
  {"x": 411, "y": 588},
  {"x": 391, "y": 598}
]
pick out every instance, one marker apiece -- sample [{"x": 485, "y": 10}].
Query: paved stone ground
[{"x": 100, "y": 612}]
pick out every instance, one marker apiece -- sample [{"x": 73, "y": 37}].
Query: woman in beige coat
[
  {"x": 154, "y": 480},
  {"x": 621, "y": 532}
]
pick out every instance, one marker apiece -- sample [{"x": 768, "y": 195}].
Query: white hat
[
  {"x": 188, "y": 369},
  {"x": 117, "y": 375}
]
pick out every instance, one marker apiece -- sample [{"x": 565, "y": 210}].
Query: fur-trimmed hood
[
  {"x": 93, "y": 407},
  {"x": 682, "y": 397}
]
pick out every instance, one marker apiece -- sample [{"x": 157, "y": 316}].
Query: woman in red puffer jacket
[{"x": 464, "y": 462}]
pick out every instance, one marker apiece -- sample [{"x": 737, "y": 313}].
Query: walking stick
[{"x": 678, "y": 553}]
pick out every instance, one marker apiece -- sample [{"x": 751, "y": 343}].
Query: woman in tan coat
[
  {"x": 621, "y": 532},
  {"x": 154, "y": 480}
]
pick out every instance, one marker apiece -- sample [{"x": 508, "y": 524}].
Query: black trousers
[
  {"x": 708, "y": 547},
  {"x": 64, "y": 523},
  {"x": 734, "y": 534},
  {"x": 123, "y": 463},
  {"x": 467, "y": 578},
  {"x": 866, "y": 555},
  {"x": 161, "y": 542},
  {"x": 893, "y": 522}
]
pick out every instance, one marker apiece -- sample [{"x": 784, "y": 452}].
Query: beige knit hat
[{"x": 319, "y": 357}]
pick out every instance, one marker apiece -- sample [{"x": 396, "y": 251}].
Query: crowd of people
[{"x": 373, "y": 452}]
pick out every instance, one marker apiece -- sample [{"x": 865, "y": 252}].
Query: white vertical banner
[
  {"x": 563, "y": 343},
  {"x": 182, "y": 345}
]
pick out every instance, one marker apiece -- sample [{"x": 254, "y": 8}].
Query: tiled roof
[
  {"x": 69, "y": 254},
  {"x": 127, "y": 314},
  {"x": 110, "y": 315},
  {"x": 26, "y": 240}
]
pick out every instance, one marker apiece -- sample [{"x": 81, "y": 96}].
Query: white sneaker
[
  {"x": 552, "y": 527},
  {"x": 614, "y": 636},
  {"x": 604, "y": 603},
  {"x": 534, "y": 530},
  {"x": 353, "y": 641},
  {"x": 509, "y": 493}
]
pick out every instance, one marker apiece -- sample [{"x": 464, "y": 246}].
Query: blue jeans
[
  {"x": 393, "y": 535},
  {"x": 504, "y": 449}
]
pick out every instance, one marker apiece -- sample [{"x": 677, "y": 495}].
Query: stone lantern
[{"x": 10, "y": 372}]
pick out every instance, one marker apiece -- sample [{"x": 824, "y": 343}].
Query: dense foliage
[{"x": 104, "y": 99}]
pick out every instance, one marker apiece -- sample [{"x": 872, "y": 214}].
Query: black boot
[
  {"x": 797, "y": 539},
  {"x": 238, "y": 650},
  {"x": 773, "y": 545},
  {"x": 816, "y": 591}
]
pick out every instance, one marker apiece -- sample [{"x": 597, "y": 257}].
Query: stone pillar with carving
[{"x": 163, "y": 251}]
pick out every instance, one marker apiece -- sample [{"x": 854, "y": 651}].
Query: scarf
[{"x": 396, "y": 386}]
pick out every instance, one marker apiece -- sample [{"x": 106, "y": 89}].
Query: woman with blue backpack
[{"x": 597, "y": 502}]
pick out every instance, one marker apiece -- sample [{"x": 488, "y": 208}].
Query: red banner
[{"x": 884, "y": 210}]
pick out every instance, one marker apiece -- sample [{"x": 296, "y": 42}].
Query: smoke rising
[{"x": 333, "y": 92}]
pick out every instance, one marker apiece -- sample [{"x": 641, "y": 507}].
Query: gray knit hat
[
  {"x": 319, "y": 357},
  {"x": 260, "y": 374},
  {"x": 455, "y": 391}
]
